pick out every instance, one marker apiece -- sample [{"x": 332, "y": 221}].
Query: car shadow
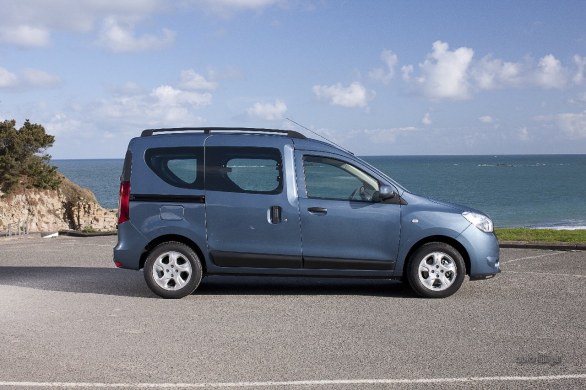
[
  {"x": 262, "y": 285},
  {"x": 84, "y": 280},
  {"x": 129, "y": 283}
]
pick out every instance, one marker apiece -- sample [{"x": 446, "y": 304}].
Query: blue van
[{"x": 243, "y": 201}]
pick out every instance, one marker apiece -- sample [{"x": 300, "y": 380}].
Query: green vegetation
[
  {"x": 23, "y": 159},
  {"x": 542, "y": 235}
]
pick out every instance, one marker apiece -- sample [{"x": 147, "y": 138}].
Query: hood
[{"x": 447, "y": 206}]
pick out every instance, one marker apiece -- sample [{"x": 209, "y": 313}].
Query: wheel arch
[
  {"x": 172, "y": 237},
  {"x": 443, "y": 239}
]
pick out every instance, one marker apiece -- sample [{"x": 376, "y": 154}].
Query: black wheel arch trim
[
  {"x": 177, "y": 238},
  {"x": 443, "y": 239}
]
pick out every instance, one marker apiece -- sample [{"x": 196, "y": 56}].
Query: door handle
[
  {"x": 275, "y": 214},
  {"x": 318, "y": 210}
]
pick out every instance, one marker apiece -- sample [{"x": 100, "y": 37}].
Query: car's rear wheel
[
  {"x": 173, "y": 270},
  {"x": 436, "y": 270}
]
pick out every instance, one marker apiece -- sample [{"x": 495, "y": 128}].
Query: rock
[{"x": 69, "y": 207}]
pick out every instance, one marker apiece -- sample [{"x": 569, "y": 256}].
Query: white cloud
[
  {"x": 169, "y": 96},
  {"x": 355, "y": 95},
  {"x": 268, "y": 111},
  {"x": 27, "y": 78},
  {"x": 426, "y": 119},
  {"x": 573, "y": 125},
  {"x": 29, "y": 23},
  {"x": 407, "y": 72},
  {"x": 444, "y": 74},
  {"x": 550, "y": 73},
  {"x": 24, "y": 36},
  {"x": 453, "y": 74},
  {"x": 163, "y": 106},
  {"x": 128, "y": 88},
  {"x": 227, "y": 8},
  {"x": 486, "y": 119},
  {"x": 580, "y": 74},
  {"x": 194, "y": 81},
  {"x": 385, "y": 75},
  {"x": 387, "y": 136},
  {"x": 61, "y": 124},
  {"x": 120, "y": 37},
  {"x": 491, "y": 73},
  {"x": 7, "y": 79},
  {"x": 39, "y": 78},
  {"x": 523, "y": 134}
]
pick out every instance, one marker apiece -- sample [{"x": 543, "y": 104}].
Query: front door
[
  {"x": 252, "y": 218},
  {"x": 343, "y": 224}
]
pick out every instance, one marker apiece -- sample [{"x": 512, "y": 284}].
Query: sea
[{"x": 535, "y": 191}]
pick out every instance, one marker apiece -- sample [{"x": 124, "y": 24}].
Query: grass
[{"x": 542, "y": 235}]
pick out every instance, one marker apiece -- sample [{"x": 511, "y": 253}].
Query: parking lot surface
[{"x": 70, "y": 319}]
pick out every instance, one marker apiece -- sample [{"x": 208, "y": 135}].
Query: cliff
[{"x": 69, "y": 207}]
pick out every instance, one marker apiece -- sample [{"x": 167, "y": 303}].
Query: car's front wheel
[
  {"x": 173, "y": 270},
  {"x": 436, "y": 270}
]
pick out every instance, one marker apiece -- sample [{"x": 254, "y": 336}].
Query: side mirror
[{"x": 386, "y": 192}]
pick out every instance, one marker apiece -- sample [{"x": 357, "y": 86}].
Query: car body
[{"x": 238, "y": 201}]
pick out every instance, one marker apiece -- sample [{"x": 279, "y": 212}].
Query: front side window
[
  {"x": 328, "y": 178},
  {"x": 244, "y": 169}
]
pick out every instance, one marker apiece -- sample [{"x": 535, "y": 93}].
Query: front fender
[{"x": 419, "y": 225}]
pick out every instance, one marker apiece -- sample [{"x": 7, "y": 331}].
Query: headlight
[{"x": 482, "y": 222}]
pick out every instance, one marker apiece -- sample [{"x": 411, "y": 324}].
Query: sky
[{"x": 376, "y": 77}]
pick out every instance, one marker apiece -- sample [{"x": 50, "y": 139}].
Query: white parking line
[
  {"x": 292, "y": 383},
  {"x": 545, "y": 273},
  {"x": 532, "y": 257}
]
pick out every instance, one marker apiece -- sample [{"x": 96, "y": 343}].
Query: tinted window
[
  {"x": 244, "y": 169},
  {"x": 180, "y": 167},
  {"x": 327, "y": 178}
]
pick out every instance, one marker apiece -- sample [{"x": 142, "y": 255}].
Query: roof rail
[{"x": 208, "y": 130}]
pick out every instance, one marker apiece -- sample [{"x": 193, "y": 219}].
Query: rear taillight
[{"x": 124, "y": 202}]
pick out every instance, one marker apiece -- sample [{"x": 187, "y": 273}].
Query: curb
[
  {"x": 76, "y": 233},
  {"x": 543, "y": 245}
]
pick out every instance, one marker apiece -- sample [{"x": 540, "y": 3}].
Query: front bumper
[{"x": 483, "y": 251}]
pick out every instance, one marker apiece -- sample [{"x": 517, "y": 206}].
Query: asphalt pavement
[{"x": 70, "y": 319}]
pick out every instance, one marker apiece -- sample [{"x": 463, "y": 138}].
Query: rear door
[
  {"x": 343, "y": 225},
  {"x": 252, "y": 212}
]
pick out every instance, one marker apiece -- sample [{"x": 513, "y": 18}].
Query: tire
[
  {"x": 436, "y": 270},
  {"x": 172, "y": 270}
]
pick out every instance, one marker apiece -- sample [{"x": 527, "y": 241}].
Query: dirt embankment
[{"x": 69, "y": 207}]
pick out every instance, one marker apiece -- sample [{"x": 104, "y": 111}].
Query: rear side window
[
  {"x": 180, "y": 167},
  {"x": 244, "y": 169}
]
